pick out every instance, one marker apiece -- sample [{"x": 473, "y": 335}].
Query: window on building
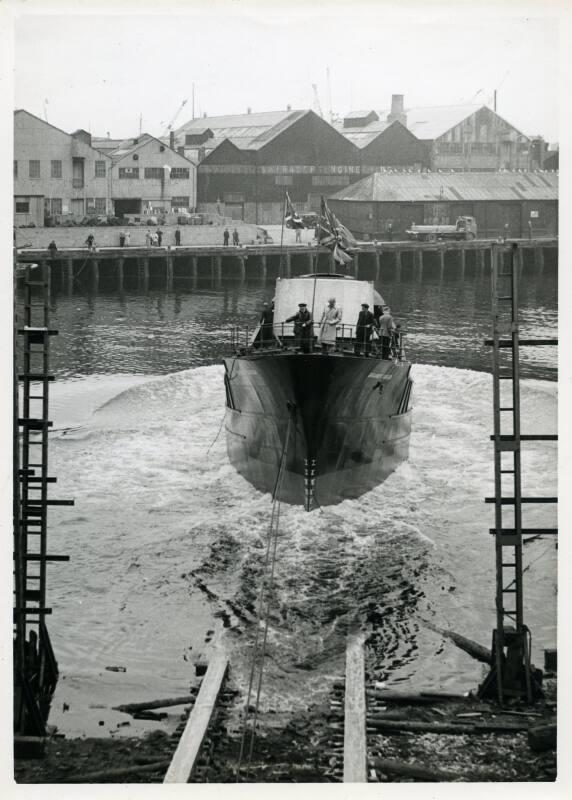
[
  {"x": 180, "y": 202},
  {"x": 56, "y": 169},
  {"x": 154, "y": 172},
  {"x": 22, "y": 205},
  {"x": 56, "y": 205},
  {"x": 34, "y": 169},
  {"x": 89, "y": 205},
  {"x": 129, "y": 172},
  {"x": 283, "y": 180},
  {"x": 15, "y": 169},
  {"x": 330, "y": 180},
  {"x": 100, "y": 205},
  {"x": 100, "y": 169},
  {"x": 179, "y": 173}
]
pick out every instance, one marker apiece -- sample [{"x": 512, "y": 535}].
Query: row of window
[
  {"x": 93, "y": 205},
  {"x": 156, "y": 173},
  {"x": 34, "y": 170},
  {"x": 176, "y": 173}
]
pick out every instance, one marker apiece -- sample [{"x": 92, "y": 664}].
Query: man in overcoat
[
  {"x": 303, "y": 328},
  {"x": 364, "y": 328}
]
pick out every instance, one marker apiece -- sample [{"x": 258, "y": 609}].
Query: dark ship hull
[{"x": 340, "y": 423}]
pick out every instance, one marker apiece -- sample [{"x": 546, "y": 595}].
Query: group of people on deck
[{"x": 379, "y": 327}]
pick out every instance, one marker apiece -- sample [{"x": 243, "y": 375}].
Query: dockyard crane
[{"x": 172, "y": 122}]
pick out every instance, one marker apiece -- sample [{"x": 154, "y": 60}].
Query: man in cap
[
  {"x": 365, "y": 325},
  {"x": 303, "y": 329},
  {"x": 386, "y": 329}
]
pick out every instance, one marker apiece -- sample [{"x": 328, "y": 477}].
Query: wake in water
[{"x": 168, "y": 542}]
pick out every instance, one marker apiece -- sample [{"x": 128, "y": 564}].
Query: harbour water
[{"x": 167, "y": 541}]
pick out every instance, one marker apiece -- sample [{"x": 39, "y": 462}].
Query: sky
[{"x": 103, "y": 72}]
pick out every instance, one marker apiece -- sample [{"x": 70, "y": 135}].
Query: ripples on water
[{"x": 167, "y": 543}]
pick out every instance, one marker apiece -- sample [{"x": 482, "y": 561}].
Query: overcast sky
[{"x": 102, "y": 72}]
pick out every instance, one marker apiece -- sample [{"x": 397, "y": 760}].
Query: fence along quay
[{"x": 256, "y": 260}]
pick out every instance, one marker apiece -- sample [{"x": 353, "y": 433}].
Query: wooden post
[
  {"x": 441, "y": 263},
  {"x": 95, "y": 273},
  {"x": 190, "y": 742},
  {"x": 539, "y": 258},
  {"x": 355, "y": 755},
  {"x": 288, "y": 265},
  {"x": 397, "y": 264},
  {"x": 69, "y": 274},
  {"x": 332, "y": 267},
  {"x": 520, "y": 259},
  {"x": 242, "y": 262},
  {"x": 463, "y": 261},
  {"x": 170, "y": 272},
  {"x": 218, "y": 270},
  {"x": 145, "y": 267},
  {"x": 481, "y": 260},
  {"x": 419, "y": 263},
  {"x": 194, "y": 267},
  {"x": 120, "y": 262},
  {"x": 264, "y": 267},
  {"x": 356, "y": 265},
  {"x": 377, "y": 265}
]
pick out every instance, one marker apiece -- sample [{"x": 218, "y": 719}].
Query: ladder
[
  {"x": 511, "y": 674},
  {"x": 35, "y": 666}
]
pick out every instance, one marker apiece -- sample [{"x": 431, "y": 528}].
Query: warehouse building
[
  {"x": 461, "y": 137},
  {"x": 57, "y": 175},
  {"x": 248, "y": 161},
  {"x": 518, "y": 204},
  {"x": 149, "y": 177}
]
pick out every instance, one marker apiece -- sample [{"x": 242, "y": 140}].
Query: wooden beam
[
  {"x": 355, "y": 755},
  {"x": 190, "y": 743}
]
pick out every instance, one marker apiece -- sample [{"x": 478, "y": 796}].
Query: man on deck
[
  {"x": 303, "y": 329},
  {"x": 365, "y": 325}
]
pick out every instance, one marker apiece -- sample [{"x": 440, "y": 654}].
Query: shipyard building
[{"x": 516, "y": 204}]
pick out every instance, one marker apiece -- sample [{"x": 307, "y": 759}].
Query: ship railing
[{"x": 279, "y": 336}]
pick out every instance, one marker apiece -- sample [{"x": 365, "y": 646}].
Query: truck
[{"x": 464, "y": 228}]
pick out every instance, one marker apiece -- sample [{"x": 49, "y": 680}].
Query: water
[{"x": 167, "y": 541}]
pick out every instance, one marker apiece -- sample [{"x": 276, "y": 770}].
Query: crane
[
  {"x": 317, "y": 100},
  {"x": 172, "y": 122}
]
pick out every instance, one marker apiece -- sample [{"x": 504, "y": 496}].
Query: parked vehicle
[
  {"x": 464, "y": 228},
  {"x": 310, "y": 220}
]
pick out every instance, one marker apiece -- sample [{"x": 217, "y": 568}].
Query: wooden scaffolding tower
[
  {"x": 35, "y": 666},
  {"x": 511, "y": 674}
]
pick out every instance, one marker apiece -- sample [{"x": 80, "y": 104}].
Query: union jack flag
[
  {"x": 335, "y": 235},
  {"x": 291, "y": 218}
]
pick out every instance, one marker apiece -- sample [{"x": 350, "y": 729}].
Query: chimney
[
  {"x": 397, "y": 113},
  {"x": 172, "y": 140}
]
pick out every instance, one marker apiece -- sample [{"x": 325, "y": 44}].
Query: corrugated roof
[
  {"x": 361, "y": 136},
  {"x": 427, "y": 122},
  {"x": 246, "y": 131},
  {"x": 451, "y": 186}
]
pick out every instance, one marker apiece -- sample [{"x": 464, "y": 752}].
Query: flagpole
[{"x": 317, "y": 254}]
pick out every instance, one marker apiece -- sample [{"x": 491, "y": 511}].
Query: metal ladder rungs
[
  {"x": 31, "y": 611},
  {"x": 507, "y": 471},
  {"x": 40, "y": 557},
  {"x": 35, "y": 376},
  {"x": 525, "y": 531},
  {"x": 509, "y": 501}
]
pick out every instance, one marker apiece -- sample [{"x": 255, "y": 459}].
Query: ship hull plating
[{"x": 338, "y": 422}]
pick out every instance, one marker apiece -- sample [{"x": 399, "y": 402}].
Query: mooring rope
[{"x": 263, "y": 605}]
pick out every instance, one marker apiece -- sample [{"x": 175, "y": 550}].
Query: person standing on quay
[
  {"x": 127, "y": 239},
  {"x": 90, "y": 242},
  {"x": 225, "y": 237},
  {"x": 121, "y": 239},
  {"x": 53, "y": 248},
  {"x": 177, "y": 238},
  {"x": 235, "y": 240},
  {"x": 148, "y": 238},
  {"x": 159, "y": 236}
]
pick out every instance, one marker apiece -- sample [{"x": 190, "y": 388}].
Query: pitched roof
[
  {"x": 246, "y": 131},
  {"x": 427, "y": 122},
  {"x": 450, "y": 186},
  {"x": 132, "y": 145}
]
